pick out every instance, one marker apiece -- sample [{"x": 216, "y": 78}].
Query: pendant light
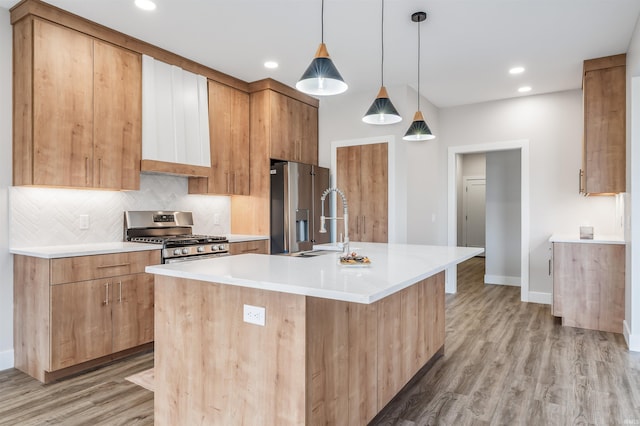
[
  {"x": 382, "y": 110},
  {"x": 321, "y": 77},
  {"x": 419, "y": 130}
]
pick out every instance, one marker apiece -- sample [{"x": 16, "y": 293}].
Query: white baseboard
[
  {"x": 542, "y": 298},
  {"x": 6, "y": 360},
  {"x": 502, "y": 280},
  {"x": 633, "y": 340}
]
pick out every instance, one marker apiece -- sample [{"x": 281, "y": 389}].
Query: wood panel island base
[{"x": 331, "y": 351}]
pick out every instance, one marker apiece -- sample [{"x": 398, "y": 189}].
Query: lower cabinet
[
  {"x": 255, "y": 246},
  {"x": 73, "y": 313},
  {"x": 92, "y": 319},
  {"x": 588, "y": 285}
]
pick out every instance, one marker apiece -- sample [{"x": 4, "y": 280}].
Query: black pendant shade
[
  {"x": 321, "y": 77},
  {"x": 382, "y": 110},
  {"x": 419, "y": 130}
]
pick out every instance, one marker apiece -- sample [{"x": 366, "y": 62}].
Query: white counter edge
[
  {"x": 309, "y": 291},
  {"x": 597, "y": 239},
  {"x": 74, "y": 250}
]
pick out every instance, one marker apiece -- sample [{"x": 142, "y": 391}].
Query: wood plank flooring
[
  {"x": 505, "y": 363},
  {"x": 511, "y": 363}
]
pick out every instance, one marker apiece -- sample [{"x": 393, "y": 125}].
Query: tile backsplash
[{"x": 51, "y": 216}]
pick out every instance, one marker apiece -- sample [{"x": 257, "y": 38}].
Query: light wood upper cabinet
[
  {"x": 604, "y": 153},
  {"x": 294, "y": 130},
  {"x": 229, "y": 133},
  {"x": 77, "y": 109},
  {"x": 362, "y": 174}
]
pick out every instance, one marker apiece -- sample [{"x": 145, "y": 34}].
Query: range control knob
[
  {"x": 185, "y": 251},
  {"x": 201, "y": 249},
  {"x": 214, "y": 247},
  {"x": 176, "y": 252}
]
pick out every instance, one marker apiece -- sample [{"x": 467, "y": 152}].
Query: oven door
[{"x": 189, "y": 258}]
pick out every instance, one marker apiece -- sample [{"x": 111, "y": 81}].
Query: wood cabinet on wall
[
  {"x": 604, "y": 152},
  {"x": 77, "y": 109},
  {"x": 362, "y": 174},
  {"x": 229, "y": 133},
  {"x": 283, "y": 126},
  {"x": 73, "y": 313},
  {"x": 294, "y": 129}
]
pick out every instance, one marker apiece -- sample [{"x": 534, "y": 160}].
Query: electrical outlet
[
  {"x": 216, "y": 218},
  {"x": 254, "y": 314},
  {"x": 84, "y": 221}
]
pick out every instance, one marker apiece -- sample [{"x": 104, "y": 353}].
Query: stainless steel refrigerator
[{"x": 296, "y": 189}]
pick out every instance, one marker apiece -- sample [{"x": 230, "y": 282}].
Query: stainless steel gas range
[{"x": 174, "y": 231}]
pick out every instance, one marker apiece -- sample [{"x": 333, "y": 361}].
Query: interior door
[{"x": 474, "y": 207}]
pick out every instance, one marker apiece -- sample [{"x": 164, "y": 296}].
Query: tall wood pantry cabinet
[
  {"x": 604, "y": 152},
  {"x": 77, "y": 109},
  {"x": 362, "y": 174},
  {"x": 229, "y": 137}
]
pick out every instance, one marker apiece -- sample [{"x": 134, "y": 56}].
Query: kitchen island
[{"x": 337, "y": 342}]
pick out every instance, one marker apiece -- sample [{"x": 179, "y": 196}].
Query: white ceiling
[{"x": 467, "y": 45}]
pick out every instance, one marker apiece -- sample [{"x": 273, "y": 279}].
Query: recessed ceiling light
[
  {"x": 146, "y": 4},
  {"x": 271, "y": 64},
  {"x": 524, "y": 89},
  {"x": 516, "y": 70}
]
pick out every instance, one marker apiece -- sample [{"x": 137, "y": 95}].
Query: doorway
[{"x": 454, "y": 207}]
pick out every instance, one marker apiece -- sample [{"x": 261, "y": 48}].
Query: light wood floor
[{"x": 505, "y": 363}]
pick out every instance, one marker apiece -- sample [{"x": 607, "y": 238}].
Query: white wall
[
  {"x": 632, "y": 206},
  {"x": 553, "y": 125},
  {"x": 340, "y": 119},
  {"x": 503, "y": 205},
  {"x": 6, "y": 262}
]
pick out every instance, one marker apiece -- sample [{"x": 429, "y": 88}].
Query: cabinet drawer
[
  {"x": 83, "y": 268},
  {"x": 257, "y": 246}
]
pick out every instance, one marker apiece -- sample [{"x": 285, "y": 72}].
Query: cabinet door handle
[
  {"x": 120, "y": 292},
  {"x": 248, "y": 250},
  {"x": 364, "y": 224},
  {"x": 549, "y": 267},
  {"x": 106, "y": 294},
  {"x": 86, "y": 170},
  {"x": 357, "y": 224},
  {"x": 99, "y": 171},
  {"x": 117, "y": 265},
  {"x": 580, "y": 175},
  {"x": 234, "y": 182},
  {"x": 227, "y": 178}
]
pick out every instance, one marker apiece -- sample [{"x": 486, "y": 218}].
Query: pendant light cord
[
  {"x": 382, "y": 44},
  {"x": 419, "y": 66},
  {"x": 322, "y": 22}
]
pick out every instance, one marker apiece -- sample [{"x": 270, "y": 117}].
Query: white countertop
[
  {"x": 239, "y": 238},
  {"x": 393, "y": 268},
  {"x": 597, "y": 239},
  {"x": 72, "y": 250}
]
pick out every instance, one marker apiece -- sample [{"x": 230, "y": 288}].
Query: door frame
[
  {"x": 465, "y": 204},
  {"x": 451, "y": 285}
]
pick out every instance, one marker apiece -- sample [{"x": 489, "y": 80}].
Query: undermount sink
[{"x": 311, "y": 253}]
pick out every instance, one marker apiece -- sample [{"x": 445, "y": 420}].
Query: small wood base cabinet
[
  {"x": 73, "y": 313},
  {"x": 316, "y": 361},
  {"x": 588, "y": 285}
]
